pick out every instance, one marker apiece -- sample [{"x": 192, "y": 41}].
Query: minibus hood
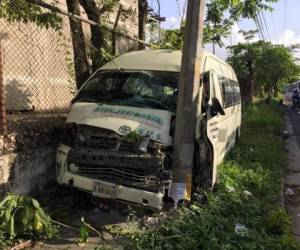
[{"x": 124, "y": 119}]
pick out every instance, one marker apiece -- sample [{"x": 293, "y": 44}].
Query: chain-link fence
[
  {"x": 37, "y": 77},
  {"x": 38, "y": 74}
]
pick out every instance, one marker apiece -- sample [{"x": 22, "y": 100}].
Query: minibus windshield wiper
[{"x": 86, "y": 99}]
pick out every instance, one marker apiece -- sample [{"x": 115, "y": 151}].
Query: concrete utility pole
[{"x": 189, "y": 83}]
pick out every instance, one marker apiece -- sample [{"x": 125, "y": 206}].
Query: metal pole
[
  {"x": 187, "y": 102},
  {"x": 3, "y": 118}
]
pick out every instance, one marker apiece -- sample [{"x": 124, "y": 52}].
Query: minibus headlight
[
  {"x": 68, "y": 134},
  {"x": 74, "y": 168}
]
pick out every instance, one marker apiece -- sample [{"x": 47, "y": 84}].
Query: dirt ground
[{"x": 68, "y": 206}]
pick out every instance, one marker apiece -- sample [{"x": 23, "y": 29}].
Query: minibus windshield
[{"x": 149, "y": 89}]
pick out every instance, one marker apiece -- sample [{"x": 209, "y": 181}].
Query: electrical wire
[
  {"x": 273, "y": 24},
  {"x": 266, "y": 26},
  {"x": 284, "y": 20},
  {"x": 284, "y": 17},
  {"x": 260, "y": 32},
  {"x": 262, "y": 26}
]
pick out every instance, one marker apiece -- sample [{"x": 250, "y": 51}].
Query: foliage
[
  {"x": 220, "y": 17},
  {"x": 132, "y": 136},
  {"x": 84, "y": 232},
  {"x": 22, "y": 217},
  {"x": 266, "y": 64},
  {"x": 222, "y": 14},
  {"x": 171, "y": 39},
  {"x": 243, "y": 212},
  {"x": 24, "y": 11},
  {"x": 276, "y": 65}
]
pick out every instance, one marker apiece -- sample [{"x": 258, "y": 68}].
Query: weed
[
  {"x": 247, "y": 196},
  {"x": 21, "y": 217}
]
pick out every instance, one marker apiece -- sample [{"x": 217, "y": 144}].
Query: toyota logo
[{"x": 124, "y": 130}]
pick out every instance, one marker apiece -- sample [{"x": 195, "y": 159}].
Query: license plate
[{"x": 104, "y": 190}]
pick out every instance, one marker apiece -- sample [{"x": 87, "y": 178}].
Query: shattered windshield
[{"x": 149, "y": 89}]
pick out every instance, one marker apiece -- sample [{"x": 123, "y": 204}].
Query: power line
[
  {"x": 266, "y": 26},
  {"x": 284, "y": 17},
  {"x": 260, "y": 20},
  {"x": 284, "y": 21},
  {"x": 258, "y": 25},
  {"x": 273, "y": 24}
]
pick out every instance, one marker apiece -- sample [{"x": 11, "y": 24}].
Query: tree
[
  {"x": 95, "y": 10},
  {"x": 170, "y": 39},
  {"x": 26, "y": 11},
  {"x": 222, "y": 14},
  {"x": 262, "y": 67},
  {"x": 142, "y": 15},
  {"x": 80, "y": 57},
  {"x": 220, "y": 17},
  {"x": 276, "y": 66},
  {"x": 243, "y": 59}
]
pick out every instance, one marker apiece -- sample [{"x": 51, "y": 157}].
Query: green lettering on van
[{"x": 124, "y": 112}]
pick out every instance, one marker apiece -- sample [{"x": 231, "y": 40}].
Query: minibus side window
[
  {"x": 222, "y": 88},
  {"x": 206, "y": 91},
  {"x": 230, "y": 91}
]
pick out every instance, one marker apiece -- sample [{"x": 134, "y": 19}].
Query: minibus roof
[{"x": 156, "y": 60}]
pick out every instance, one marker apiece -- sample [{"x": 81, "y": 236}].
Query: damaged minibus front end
[{"x": 117, "y": 142}]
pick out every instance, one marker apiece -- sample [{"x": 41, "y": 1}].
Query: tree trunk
[
  {"x": 142, "y": 21},
  {"x": 113, "y": 37},
  {"x": 249, "y": 84},
  {"x": 97, "y": 38},
  {"x": 275, "y": 89},
  {"x": 80, "y": 57}
]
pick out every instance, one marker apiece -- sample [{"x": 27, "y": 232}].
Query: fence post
[{"x": 3, "y": 118}]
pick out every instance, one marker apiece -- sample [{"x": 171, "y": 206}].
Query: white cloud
[
  {"x": 236, "y": 37},
  {"x": 289, "y": 37},
  {"x": 172, "y": 22}
]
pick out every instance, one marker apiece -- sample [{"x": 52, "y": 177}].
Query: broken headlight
[
  {"x": 74, "y": 168},
  {"x": 68, "y": 134}
]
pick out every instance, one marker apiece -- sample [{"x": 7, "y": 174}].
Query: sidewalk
[{"x": 292, "y": 174}]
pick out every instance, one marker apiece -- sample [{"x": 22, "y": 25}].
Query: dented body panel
[
  {"x": 155, "y": 123},
  {"x": 119, "y": 145}
]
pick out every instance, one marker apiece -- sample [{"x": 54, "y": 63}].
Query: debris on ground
[
  {"x": 240, "y": 229},
  {"x": 289, "y": 191}
]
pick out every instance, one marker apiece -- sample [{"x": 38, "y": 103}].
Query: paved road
[
  {"x": 295, "y": 122},
  {"x": 292, "y": 178}
]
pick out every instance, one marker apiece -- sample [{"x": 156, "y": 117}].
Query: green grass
[{"x": 248, "y": 193}]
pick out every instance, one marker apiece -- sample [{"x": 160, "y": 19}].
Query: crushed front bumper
[{"x": 95, "y": 186}]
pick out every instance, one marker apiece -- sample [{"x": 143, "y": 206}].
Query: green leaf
[
  {"x": 84, "y": 233},
  {"x": 11, "y": 227}
]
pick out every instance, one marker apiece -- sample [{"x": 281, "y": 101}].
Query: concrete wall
[{"x": 27, "y": 172}]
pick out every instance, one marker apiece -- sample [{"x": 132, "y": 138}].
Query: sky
[{"x": 283, "y": 23}]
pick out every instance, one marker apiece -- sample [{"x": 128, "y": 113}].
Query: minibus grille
[
  {"x": 93, "y": 137},
  {"x": 116, "y": 166}
]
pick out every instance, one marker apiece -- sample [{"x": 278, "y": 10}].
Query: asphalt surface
[
  {"x": 294, "y": 116},
  {"x": 292, "y": 173}
]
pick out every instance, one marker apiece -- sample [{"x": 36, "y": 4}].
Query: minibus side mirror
[{"x": 217, "y": 107}]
